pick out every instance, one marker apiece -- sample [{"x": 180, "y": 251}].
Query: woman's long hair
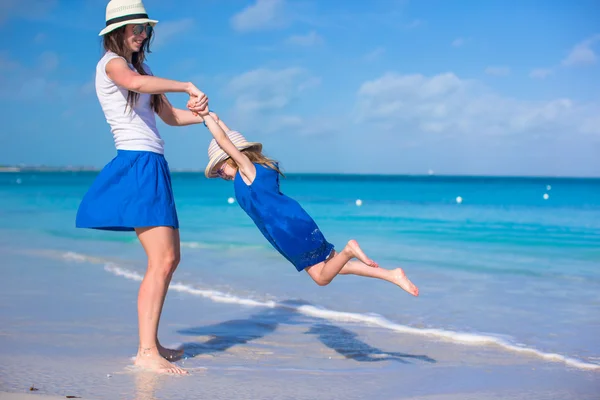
[{"x": 115, "y": 41}]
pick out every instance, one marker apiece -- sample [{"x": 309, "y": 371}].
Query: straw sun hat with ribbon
[
  {"x": 123, "y": 12},
  {"x": 216, "y": 153}
]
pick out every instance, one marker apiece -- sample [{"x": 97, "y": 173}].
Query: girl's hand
[
  {"x": 198, "y": 100},
  {"x": 195, "y": 107}
]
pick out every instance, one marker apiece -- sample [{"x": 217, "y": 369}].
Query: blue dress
[{"x": 281, "y": 219}]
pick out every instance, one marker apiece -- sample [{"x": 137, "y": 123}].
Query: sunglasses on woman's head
[{"x": 139, "y": 28}]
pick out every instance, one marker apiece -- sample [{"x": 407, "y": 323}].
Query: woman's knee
[
  {"x": 162, "y": 247},
  {"x": 166, "y": 263},
  {"x": 172, "y": 261}
]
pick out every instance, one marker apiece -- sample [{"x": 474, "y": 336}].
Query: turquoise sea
[{"x": 515, "y": 266}]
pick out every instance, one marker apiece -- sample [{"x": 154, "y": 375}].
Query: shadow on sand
[
  {"x": 228, "y": 334},
  {"x": 345, "y": 343}
]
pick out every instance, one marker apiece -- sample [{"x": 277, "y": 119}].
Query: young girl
[{"x": 282, "y": 221}]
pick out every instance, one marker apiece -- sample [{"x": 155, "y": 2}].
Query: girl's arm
[
  {"x": 246, "y": 168},
  {"x": 219, "y": 121},
  {"x": 118, "y": 71},
  {"x": 222, "y": 125},
  {"x": 177, "y": 117}
]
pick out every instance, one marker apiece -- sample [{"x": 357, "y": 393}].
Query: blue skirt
[{"x": 132, "y": 191}]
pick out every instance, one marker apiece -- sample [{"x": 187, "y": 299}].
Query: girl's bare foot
[
  {"x": 151, "y": 359},
  {"x": 401, "y": 280},
  {"x": 355, "y": 251},
  {"x": 170, "y": 354}
]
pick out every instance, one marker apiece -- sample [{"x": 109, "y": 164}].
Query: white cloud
[
  {"x": 7, "y": 63},
  {"x": 88, "y": 87},
  {"x": 312, "y": 38},
  {"x": 375, "y": 54},
  {"x": 582, "y": 53},
  {"x": 414, "y": 24},
  {"x": 12, "y": 75},
  {"x": 458, "y": 42},
  {"x": 40, "y": 38},
  {"x": 20, "y": 82},
  {"x": 27, "y": 9},
  {"x": 497, "y": 70},
  {"x": 269, "y": 87},
  {"x": 48, "y": 61},
  {"x": 262, "y": 96},
  {"x": 166, "y": 31},
  {"x": 37, "y": 86},
  {"x": 262, "y": 15},
  {"x": 540, "y": 73},
  {"x": 448, "y": 105}
]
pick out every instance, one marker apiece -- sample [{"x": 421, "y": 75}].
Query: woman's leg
[
  {"x": 341, "y": 263},
  {"x": 161, "y": 244},
  {"x": 170, "y": 354}
]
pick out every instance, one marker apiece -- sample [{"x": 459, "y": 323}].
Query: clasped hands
[{"x": 198, "y": 105}]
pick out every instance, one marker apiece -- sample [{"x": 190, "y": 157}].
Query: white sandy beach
[{"x": 70, "y": 333}]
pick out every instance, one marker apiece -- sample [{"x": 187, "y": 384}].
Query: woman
[{"x": 133, "y": 192}]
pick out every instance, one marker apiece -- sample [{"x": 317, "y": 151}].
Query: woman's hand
[
  {"x": 198, "y": 100},
  {"x": 191, "y": 105}
]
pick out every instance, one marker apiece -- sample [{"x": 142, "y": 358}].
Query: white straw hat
[
  {"x": 216, "y": 153},
  {"x": 124, "y": 12}
]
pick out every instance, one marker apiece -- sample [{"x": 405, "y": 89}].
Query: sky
[{"x": 495, "y": 87}]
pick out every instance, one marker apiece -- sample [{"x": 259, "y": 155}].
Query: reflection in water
[{"x": 146, "y": 384}]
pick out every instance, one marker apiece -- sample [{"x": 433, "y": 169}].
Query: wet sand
[{"x": 73, "y": 333}]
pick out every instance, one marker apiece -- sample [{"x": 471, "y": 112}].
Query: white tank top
[{"x": 132, "y": 129}]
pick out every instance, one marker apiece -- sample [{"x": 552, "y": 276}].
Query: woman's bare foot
[
  {"x": 170, "y": 354},
  {"x": 355, "y": 251},
  {"x": 401, "y": 280},
  {"x": 151, "y": 359}
]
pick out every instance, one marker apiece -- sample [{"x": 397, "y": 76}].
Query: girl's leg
[
  {"x": 395, "y": 276},
  {"x": 160, "y": 244},
  {"x": 323, "y": 273}
]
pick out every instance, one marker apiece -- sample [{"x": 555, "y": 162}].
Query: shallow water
[{"x": 506, "y": 272}]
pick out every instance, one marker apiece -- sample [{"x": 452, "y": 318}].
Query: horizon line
[{"x": 429, "y": 174}]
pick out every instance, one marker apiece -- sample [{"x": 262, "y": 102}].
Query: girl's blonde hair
[{"x": 256, "y": 156}]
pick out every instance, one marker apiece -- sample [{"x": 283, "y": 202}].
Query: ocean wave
[
  {"x": 96, "y": 236},
  {"x": 221, "y": 246},
  {"x": 473, "y": 339},
  {"x": 214, "y": 295},
  {"x": 229, "y": 246},
  {"x": 72, "y": 256}
]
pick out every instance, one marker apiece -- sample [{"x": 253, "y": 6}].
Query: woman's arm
[
  {"x": 120, "y": 73},
  {"x": 246, "y": 168},
  {"x": 177, "y": 117}
]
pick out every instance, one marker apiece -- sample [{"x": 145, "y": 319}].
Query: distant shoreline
[
  {"x": 14, "y": 168},
  {"x": 42, "y": 169}
]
